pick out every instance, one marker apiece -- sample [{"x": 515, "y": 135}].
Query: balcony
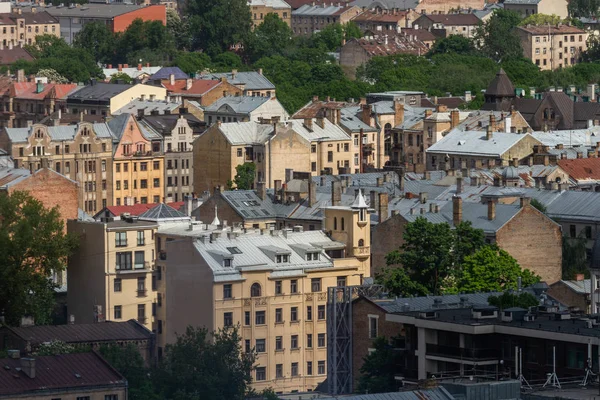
[
  {"x": 140, "y": 268},
  {"x": 362, "y": 252},
  {"x": 368, "y": 148},
  {"x": 462, "y": 353}
]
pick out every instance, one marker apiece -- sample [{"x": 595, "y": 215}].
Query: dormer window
[
  {"x": 227, "y": 262},
  {"x": 283, "y": 258},
  {"x": 312, "y": 256}
]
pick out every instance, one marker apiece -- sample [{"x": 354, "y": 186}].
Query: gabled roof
[
  {"x": 453, "y": 19},
  {"x": 132, "y": 72},
  {"x": 475, "y": 142},
  {"x": 500, "y": 86},
  {"x": 99, "y": 91},
  {"x": 166, "y": 72},
  {"x": 162, "y": 212},
  {"x": 438, "y": 393},
  {"x": 328, "y": 132},
  {"x": 83, "y": 333},
  {"x": 392, "y": 44},
  {"x": 279, "y": 4},
  {"x": 248, "y": 205},
  {"x": 10, "y": 56},
  {"x": 252, "y": 80},
  {"x": 579, "y": 287},
  {"x": 241, "y": 133},
  {"x": 29, "y": 90},
  {"x": 581, "y": 169},
  {"x": 199, "y": 86},
  {"x": 60, "y": 132},
  {"x": 237, "y": 104},
  {"x": 135, "y": 209},
  {"x": 317, "y": 10},
  {"x": 53, "y": 373},
  {"x": 148, "y": 106}
]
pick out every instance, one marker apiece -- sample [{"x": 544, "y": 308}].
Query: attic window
[
  {"x": 312, "y": 256},
  {"x": 234, "y": 250},
  {"x": 461, "y": 142},
  {"x": 227, "y": 262},
  {"x": 282, "y": 258}
]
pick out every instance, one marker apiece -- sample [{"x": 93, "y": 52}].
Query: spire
[
  {"x": 359, "y": 202},
  {"x": 216, "y": 220}
]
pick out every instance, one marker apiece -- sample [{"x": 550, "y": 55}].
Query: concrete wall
[
  {"x": 259, "y": 12},
  {"x": 352, "y": 55},
  {"x": 213, "y": 160}
]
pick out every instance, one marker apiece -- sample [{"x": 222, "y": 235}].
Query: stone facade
[{"x": 566, "y": 295}]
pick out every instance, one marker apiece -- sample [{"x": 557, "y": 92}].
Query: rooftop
[
  {"x": 166, "y": 72},
  {"x": 54, "y": 373},
  {"x": 91, "y": 11},
  {"x": 269, "y": 3},
  {"x": 198, "y": 87},
  {"x": 453, "y": 19},
  {"x": 237, "y": 104},
  {"x": 475, "y": 142},
  {"x": 252, "y": 80},
  {"x": 98, "y": 91},
  {"x": 581, "y": 169},
  {"x": 9, "y": 56},
  {"x": 148, "y": 106},
  {"x": 320, "y": 10},
  {"x": 132, "y": 72},
  {"x": 135, "y": 210},
  {"x": 241, "y": 133},
  {"x": 553, "y": 29}
]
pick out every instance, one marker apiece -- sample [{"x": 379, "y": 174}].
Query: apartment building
[
  {"x": 272, "y": 283},
  {"x": 443, "y": 25},
  {"x": 138, "y": 163},
  {"x": 244, "y": 108},
  {"x": 252, "y": 83},
  {"x": 310, "y": 145},
  {"x": 530, "y": 7},
  {"x": 203, "y": 91},
  {"x": 261, "y": 8},
  {"x": 81, "y": 152},
  {"x": 178, "y": 137},
  {"x": 311, "y": 18},
  {"x": 20, "y": 28},
  {"x": 381, "y": 20},
  {"x": 553, "y": 47}
]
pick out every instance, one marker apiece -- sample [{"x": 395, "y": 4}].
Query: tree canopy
[
  {"x": 129, "y": 362},
  {"x": 378, "y": 369},
  {"x": 34, "y": 245},
  {"x": 513, "y": 299},
  {"x": 497, "y": 36},
  {"x": 244, "y": 177}
]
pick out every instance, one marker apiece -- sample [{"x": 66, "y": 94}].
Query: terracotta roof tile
[
  {"x": 454, "y": 19},
  {"x": 136, "y": 209},
  {"x": 199, "y": 86},
  {"x": 581, "y": 168}
]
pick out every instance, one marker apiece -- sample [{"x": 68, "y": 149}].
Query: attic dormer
[{"x": 277, "y": 254}]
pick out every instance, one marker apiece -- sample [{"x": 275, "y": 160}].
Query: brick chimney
[
  {"x": 489, "y": 133},
  {"x": 366, "y": 114},
  {"x": 491, "y": 210},
  {"x": 398, "y": 112},
  {"x": 454, "y": 118},
  {"x": 523, "y": 201},
  {"x": 383, "y": 207},
  {"x": 457, "y": 210},
  {"x": 139, "y": 67},
  {"x": 459, "y": 184},
  {"x": 261, "y": 190},
  {"x": 312, "y": 193},
  {"x": 28, "y": 367},
  {"x": 336, "y": 193}
]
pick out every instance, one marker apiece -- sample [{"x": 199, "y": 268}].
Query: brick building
[
  {"x": 576, "y": 294},
  {"x": 309, "y": 18},
  {"x": 203, "y": 91},
  {"x": 443, "y": 25}
]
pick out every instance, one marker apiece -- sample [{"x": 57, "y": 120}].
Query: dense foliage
[
  {"x": 509, "y": 299},
  {"x": 244, "y": 177},
  {"x": 379, "y": 368},
  {"x": 34, "y": 246}
]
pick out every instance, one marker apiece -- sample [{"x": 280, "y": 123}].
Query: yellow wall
[{"x": 136, "y": 92}]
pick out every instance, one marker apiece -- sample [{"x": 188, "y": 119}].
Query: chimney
[
  {"x": 379, "y": 181},
  {"x": 261, "y": 190},
  {"x": 188, "y": 83},
  {"x": 456, "y": 210},
  {"x": 423, "y": 197},
  {"x": 373, "y": 200},
  {"x": 523, "y": 201},
  {"x": 336, "y": 193},
  {"x": 234, "y": 73},
  {"x": 428, "y": 113},
  {"x": 312, "y": 193},
  {"x": 493, "y": 120},
  {"x": 366, "y": 114},
  {"x": 579, "y": 277},
  {"x": 591, "y": 91},
  {"x": 488, "y": 133},
  {"x": 398, "y": 112},
  {"x": 454, "y": 118},
  {"x": 459, "y": 184},
  {"x": 491, "y": 210},
  {"x": 362, "y": 101},
  {"x": 321, "y": 122},
  {"x": 308, "y": 124},
  {"x": 120, "y": 67},
  {"x": 172, "y": 79},
  {"x": 383, "y": 207},
  {"x": 28, "y": 367},
  {"x": 188, "y": 205},
  {"x": 139, "y": 68}
]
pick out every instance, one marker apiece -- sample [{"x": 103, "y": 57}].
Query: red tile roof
[
  {"x": 10, "y": 56},
  {"x": 71, "y": 372},
  {"x": 199, "y": 86},
  {"x": 581, "y": 168},
  {"x": 454, "y": 19},
  {"x": 398, "y": 44},
  {"x": 137, "y": 209},
  {"x": 312, "y": 109},
  {"x": 28, "y": 90},
  {"x": 554, "y": 30}
]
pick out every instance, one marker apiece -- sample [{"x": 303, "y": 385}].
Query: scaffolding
[{"x": 339, "y": 334}]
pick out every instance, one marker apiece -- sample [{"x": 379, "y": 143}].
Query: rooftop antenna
[
  {"x": 552, "y": 378},
  {"x": 588, "y": 373},
  {"x": 519, "y": 368}
]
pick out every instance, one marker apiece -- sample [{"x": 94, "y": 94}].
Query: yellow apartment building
[
  {"x": 553, "y": 47},
  {"x": 110, "y": 275},
  {"x": 313, "y": 145},
  {"x": 138, "y": 164},
  {"x": 21, "y": 28},
  {"x": 273, "y": 284},
  {"x": 261, "y": 8},
  {"x": 81, "y": 152}
]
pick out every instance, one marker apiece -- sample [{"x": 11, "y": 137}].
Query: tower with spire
[{"x": 500, "y": 93}]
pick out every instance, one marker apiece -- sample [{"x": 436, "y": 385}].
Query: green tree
[
  {"x": 497, "y": 37},
  {"x": 493, "y": 269},
  {"x": 179, "y": 29},
  {"x": 330, "y": 37},
  {"x": 351, "y": 30},
  {"x": 378, "y": 369},
  {"x": 592, "y": 54},
  {"x": 98, "y": 40},
  {"x": 272, "y": 36},
  {"x": 227, "y": 61},
  {"x": 200, "y": 365},
  {"x": 52, "y": 75},
  {"x": 47, "y": 46},
  {"x": 541, "y": 19},
  {"x": 121, "y": 76},
  {"x": 191, "y": 62},
  {"x": 584, "y": 8},
  {"x": 509, "y": 299},
  {"x": 211, "y": 27},
  {"x": 148, "y": 41},
  {"x": 54, "y": 348},
  {"x": 129, "y": 362},
  {"x": 538, "y": 205},
  {"x": 574, "y": 260},
  {"x": 453, "y": 44},
  {"x": 34, "y": 245},
  {"x": 244, "y": 177}
]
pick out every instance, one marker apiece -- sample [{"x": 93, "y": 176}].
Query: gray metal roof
[
  {"x": 251, "y": 80},
  {"x": 148, "y": 106},
  {"x": 438, "y": 393},
  {"x": 580, "y": 287},
  {"x": 350, "y": 119},
  {"x": 329, "y": 131},
  {"x": 475, "y": 142},
  {"x": 163, "y": 212},
  {"x": 269, "y": 3},
  {"x": 317, "y": 10},
  {"x": 521, "y": 1},
  {"x": 248, "y": 205},
  {"x": 242, "y": 133},
  {"x": 17, "y": 135},
  {"x": 89, "y": 11},
  {"x": 61, "y": 132},
  {"x": 98, "y": 92},
  {"x": 386, "y": 4},
  {"x": 569, "y": 138},
  {"x": 237, "y": 104}
]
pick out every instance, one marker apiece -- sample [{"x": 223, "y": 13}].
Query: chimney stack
[
  {"x": 491, "y": 210},
  {"x": 488, "y": 133},
  {"x": 524, "y": 201},
  {"x": 459, "y": 184},
  {"x": 383, "y": 207},
  {"x": 312, "y": 193},
  {"x": 454, "y": 118},
  {"x": 379, "y": 181},
  {"x": 336, "y": 193},
  {"x": 423, "y": 197},
  {"x": 456, "y": 210},
  {"x": 28, "y": 367},
  {"x": 261, "y": 190}
]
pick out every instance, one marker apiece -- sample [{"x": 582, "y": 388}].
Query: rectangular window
[
  {"x": 156, "y": 182},
  {"x": 309, "y": 368},
  {"x": 140, "y": 261},
  {"x": 141, "y": 313},
  {"x": 588, "y": 232},
  {"x": 294, "y": 342},
  {"x": 309, "y": 340},
  {"x": 247, "y": 318},
  {"x": 278, "y": 285},
  {"x": 321, "y": 312},
  {"x": 228, "y": 319},
  {"x": 261, "y": 373},
  {"x": 143, "y": 184},
  {"x": 309, "y": 313},
  {"x": 321, "y": 340},
  {"x": 330, "y": 156},
  {"x": 278, "y": 343},
  {"x": 278, "y": 315},
  {"x": 143, "y": 166},
  {"x": 313, "y": 166},
  {"x": 321, "y": 368},
  {"x": 278, "y": 371},
  {"x": 294, "y": 286},
  {"x": 117, "y": 285},
  {"x": 261, "y": 345},
  {"x": 259, "y": 318},
  {"x": 573, "y": 231},
  {"x": 294, "y": 314},
  {"x": 227, "y": 291},
  {"x": 341, "y": 281},
  {"x": 294, "y": 369},
  {"x": 123, "y": 261},
  {"x": 141, "y": 240},
  {"x": 141, "y": 285},
  {"x": 372, "y": 327},
  {"x": 121, "y": 239},
  {"x": 247, "y": 346},
  {"x": 315, "y": 284},
  {"x": 156, "y": 165},
  {"x": 118, "y": 312}
]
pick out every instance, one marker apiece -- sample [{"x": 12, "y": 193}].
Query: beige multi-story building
[
  {"x": 553, "y": 47},
  {"x": 311, "y": 18},
  {"x": 529, "y": 7},
  {"x": 138, "y": 163},
  {"x": 81, "y": 152},
  {"x": 310, "y": 145},
  {"x": 110, "y": 274},
  {"x": 21, "y": 28},
  {"x": 261, "y": 8},
  {"x": 273, "y": 284},
  {"x": 449, "y": 24}
]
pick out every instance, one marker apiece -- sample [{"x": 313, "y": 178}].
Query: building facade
[
  {"x": 310, "y": 18},
  {"x": 261, "y": 8},
  {"x": 530, "y": 7},
  {"x": 20, "y": 28},
  {"x": 553, "y": 47}
]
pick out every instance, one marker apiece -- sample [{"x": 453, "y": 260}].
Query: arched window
[
  {"x": 335, "y": 223},
  {"x": 361, "y": 242},
  {"x": 255, "y": 290},
  {"x": 343, "y": 228}
]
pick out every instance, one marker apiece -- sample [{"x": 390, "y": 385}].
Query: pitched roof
[
  {"x": 248, "y": 205},
  {"x": 386, "y": 4},
  {"x": 237, "y": 104},
  {"x": 99, "y": 91},
  {"x": 198, "y": 88},
  {"x": 135, "y": 209},
  {"x": 35, "y": 18},
  {"x": 372, "y": 16},
  {"x": 475, "y": 142},
  {"x": 553, "y": 29},
  {"x": 328, "y": 132},
  {"x": 91, "y": 10},
  {"x": 318, "y": 10},
  {"x": 501, "y": 85},
  {"x": 84, "y": 333},
  {"x": 394, "y": 44},
  {"x": 269, "y": 3},
  {"x": 581, "y": 168},
  {"x": 312, "y": 109},
  {"x": 161, "y": 212},
  {"x": 67, "y": 371},
  {"x": 252, "y": 80},
  {"x": 148, "y": 106},
  {"x": 438, "y": 393},
  {"x": 166, "y": 72},
  {"x": 60, "y": 132},
  {"x": 580, "y": 287},
  {"x": 240, "y": 133},
  {"x": 9, "y": 56},
  {"x": 29, "y": 90},
  {"x": 132, "y": 72},
  {"x": 453, "y": 19}
]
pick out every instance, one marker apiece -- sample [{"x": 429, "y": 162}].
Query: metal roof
[
  {"x": 475, "y": 142},
  {"x": 438, "y": 393},
  {"x": 99, "y": 91},
  {"x": 248, "y": 205},
  {"x": 318, "y": 10},
  {"x": 148, "y": 106},
  {"x": 89, "y": 11},
  {"x": 237, "y": 104},
  {"x": 166, "y": 72},
  {"x": 269, "y": 3},
  {"x": 386, "y": 4},
  {"x": 351, "y": 120},
  {"x": 328, "y": 132},
  {"x": 132, "y": 72},
  {"x": 581, "y": 287},
  {"x": 163, "y": 212},
  {"x": 242, "y": 133},
  {"x": 251, "y": 80}
]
